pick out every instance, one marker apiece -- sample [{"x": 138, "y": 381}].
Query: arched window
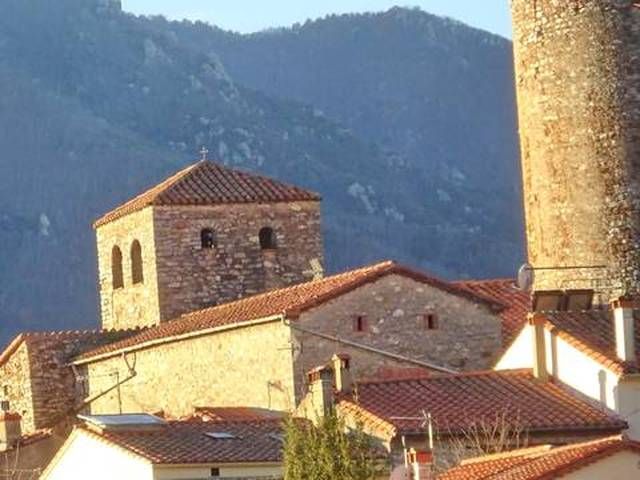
[
  {"x": 117, "y": 278},
  {"x": 267, "y": 238},
  {"x": 208, "y": 239},
  {"x": 137, "y": 275}
]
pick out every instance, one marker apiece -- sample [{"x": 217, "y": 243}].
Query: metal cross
[{"x": 204, "y": 152}]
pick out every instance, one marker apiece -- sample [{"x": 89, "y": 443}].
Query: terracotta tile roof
[
  {"x": 457, "y": 401},
  {"x": 517, "y": 304},
  {"x": 235, "y": 413},
  {"x": 290, "y": 301},
  {"x": 187, "y": 442},
  {"x": 541, "y": 463},
  {"x": 208, "y": 183},
  {"x": 74, "y": 342},
  {"x": 592, "y": 332}
]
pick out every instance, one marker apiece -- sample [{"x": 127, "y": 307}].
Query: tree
[{"x": 328, "y": 451}]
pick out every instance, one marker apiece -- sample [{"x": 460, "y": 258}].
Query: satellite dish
[{"x": 526, "y": 276}]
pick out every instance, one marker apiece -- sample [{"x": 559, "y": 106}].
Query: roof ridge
[{"x": 476, "y": 373}]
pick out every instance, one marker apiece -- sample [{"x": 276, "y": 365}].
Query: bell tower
[
  {"x": 205, "y": 236},
  {"x": 578, "y": 84}
]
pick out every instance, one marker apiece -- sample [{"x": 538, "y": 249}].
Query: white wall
[
  {"x": 519, "y": 354},
  {"x": 621, "y": 466},
  {"x": 204, "y": 472},
  {"x": 83, "y": 456}
]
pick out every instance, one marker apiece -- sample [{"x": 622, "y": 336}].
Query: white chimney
[
  {"x": 624, "y": 325},
  {"x": 10, "y": 431},
  {"x": 342, "y": 372},
  {"x": 537, "y": 322},
  {"x": 321, "y": 389}
]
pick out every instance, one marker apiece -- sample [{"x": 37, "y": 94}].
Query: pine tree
[{"x": 328, "y": 451}]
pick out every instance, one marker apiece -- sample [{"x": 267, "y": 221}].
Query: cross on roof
[{"x": 203, "y": 152}]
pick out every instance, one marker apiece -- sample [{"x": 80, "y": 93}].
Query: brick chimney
[
  {"x": 10, "y": 430},
  {"x": 536, "y": 323},
  {"x": 342, "y": 371},
  {"x": 624, "y": 326},
  {"x": 321, "y": 389}
]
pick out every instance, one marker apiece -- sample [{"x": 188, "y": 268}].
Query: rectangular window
[
  {"x": 429, "y": 321},
  {"x": 215, "y": 473},
  {"x": 359, "y": 323}
]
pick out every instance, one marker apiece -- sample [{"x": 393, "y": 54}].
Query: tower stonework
[
  {"x": 578, "y": 84},
  {"x": 208, "y": 235}
]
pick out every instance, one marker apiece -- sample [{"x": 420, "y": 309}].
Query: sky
[{"x": 253, "y": 15}]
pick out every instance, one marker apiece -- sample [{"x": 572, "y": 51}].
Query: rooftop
[
  {"x": 540, "y": 463},
  {"x": 457, "y": 402},
  {"x": 201, "y": 442},
  {"x": 290, "y": 302},
  {"x": 506, "y": 292},
  {"x": 592, "y": 332},
  {"x": 209, "y": 183}
]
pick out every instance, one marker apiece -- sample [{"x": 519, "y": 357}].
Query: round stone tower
[{"x": 578, "y": 83}]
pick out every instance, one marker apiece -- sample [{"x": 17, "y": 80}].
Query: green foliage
[{"x": 328, "y": 451}]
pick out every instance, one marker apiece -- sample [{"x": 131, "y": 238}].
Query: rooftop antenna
[{"x": 203, "y": 154}]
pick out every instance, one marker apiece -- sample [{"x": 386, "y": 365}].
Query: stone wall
[
  {"x": 242, "y": 366},
  {"x": 578, "y": 82},
  {"x": 191, "y": 278},
  {"x": 15, "y": 386},
  {"x": 132, "y": 305},
  {"x": 467, "y": 334}
]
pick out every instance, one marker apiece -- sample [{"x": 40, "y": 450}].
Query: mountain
[{"x": 403, "y": 121}]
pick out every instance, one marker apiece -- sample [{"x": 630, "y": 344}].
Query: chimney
[
  {"x": 342, "y": 372},
  {"x": 624, "y": 326},
  {"x": 537, "y": 322},
  {"x": 419, "y": 464},
  {"x": 10, "y": 431},
  {"x": 321, "y": 389}
]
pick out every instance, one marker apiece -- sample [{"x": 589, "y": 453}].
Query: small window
[
  {"x": 137, "y": 275},
  {"x": 267, "y": 238},
  {"x": 5, "y": 406},
  {"x": 431, "y": 321},
  {"x": 360, "y": 323},
  {"x": 215, "y": 472},
  {"x": 117, "y": 277},
  {"x": 208, "y": 239},
  {"x": 5, "y": 390}
]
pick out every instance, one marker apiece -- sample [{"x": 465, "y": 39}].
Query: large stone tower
[
  {"x": 578, "y": 83},
  {"x": 205, "y": 236}
]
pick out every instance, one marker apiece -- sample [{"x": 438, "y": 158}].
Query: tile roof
[
  {"x": 187, "y": 442},
  {"x": 517, "y": 303},
  {"x": 540, "y": 463},
  {"x": 457, "y": 401},
  {"x": 592, "y": 332},
  {"x": 74, "y": 342},
  {"x": 290, "y": 301},
  {"x": 209, "y": 183}
]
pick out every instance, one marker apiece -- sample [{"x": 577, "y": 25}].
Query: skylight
[
  {"x": 125, "y": 420},
  {"x": 221, "y": 435}
]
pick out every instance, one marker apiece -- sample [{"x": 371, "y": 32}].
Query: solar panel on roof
[{"x": 124, "y": 420}]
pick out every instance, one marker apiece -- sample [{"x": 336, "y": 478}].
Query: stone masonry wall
[
  {"x": 191, "y": 278},
  {"x": 15, "y": 386},
  {"x": 133, "y": 305},
  {"x": 578, "y": 83},
  {"x": 248, "y": 366},
  {"x": 467, "y": 335}
]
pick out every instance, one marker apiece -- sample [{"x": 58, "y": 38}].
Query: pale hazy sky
[{"x": 254, "y": 15}]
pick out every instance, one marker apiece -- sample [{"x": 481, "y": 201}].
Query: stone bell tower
[
  {"x": 578, "y": 83},
  {"x": 205, "y": 236}
]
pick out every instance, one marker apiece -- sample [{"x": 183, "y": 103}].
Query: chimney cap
[
  {"x": 626, "y": 301},
  {"x": 10, "y": 417}
]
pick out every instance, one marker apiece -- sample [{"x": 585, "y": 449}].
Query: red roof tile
[
  {"x": 187, "y": 442},
  {"x": 517, "y": 304},
  {"x": 458, "y": 401},
  {"x": 208, "y": 183},
  {"x": 541, "y": 463},
  {"x": 592, "y": 332},
  {"x": 290, "y": 301}
]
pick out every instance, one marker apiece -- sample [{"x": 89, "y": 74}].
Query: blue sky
[{"x": 254, "y": 15}]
